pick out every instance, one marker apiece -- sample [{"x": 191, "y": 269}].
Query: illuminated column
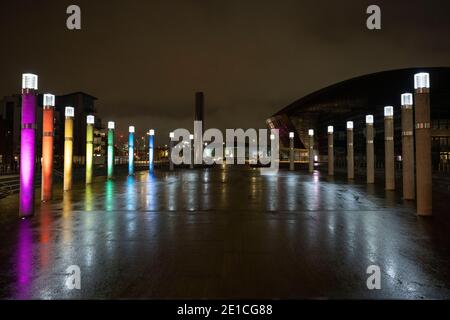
[
  {"x": 47, "y": 147},
  {"x": 311, "y": 150},
  {"x": 151, "y": 149},
  {"x": 110, "y": 159},
  {"x": 330, "y": 131},
  {"x": 389, "y": 165},
  {"x": 370, "y": 156},
  {"x": 350, "y": 156},
  {"x": 131, "y": 150},
  {"x": 89, "y": 147},
  {"x": 68, "y": 148},
  {"x": 191, "y": 138},
  {"x": 171, "y": 136},
  {"x": 407, "y": 146},
  {"x": 291, "y": 151},
  {"x": 27, "y": 144},
  {"x": 423, "y": 144}
]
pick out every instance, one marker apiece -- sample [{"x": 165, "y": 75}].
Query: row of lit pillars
[{"x": 422, "y": 143}]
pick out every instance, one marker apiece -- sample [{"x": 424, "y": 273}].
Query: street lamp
[
  {"x": 311, "y": 150},
  {"x": 389, "y": 166},
  {"x": 423, "y": 143},
  {"x": 47, "y": 146},
  {"x": 90, "y": 120},
  {"x": 69, "y": 113},
  {"x": 291, "y": 151},
  {"x": 131, "y": 130},
  {"x": 27, "y": 144},
  {"x": 330, "y": 131},
  {"x": 110, "y": 159},
  {"x": 350, "y": 152},
  {"x": 151, "y": 149},
  {"x": 370, "y": 155}
]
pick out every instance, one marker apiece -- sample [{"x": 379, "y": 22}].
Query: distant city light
[
  {"x": 111, "y": 125},
  {"x": 388, "y": 111},
  {"x": 330, "y": 129},
  {"x": 291, "y": 134},
  {"x": 349, "y": 124},
  {"x": 369, "y": 119},
  {"x": 421, "y": 80},
  {"x": 49, "y": 100},
  {"x": 310, "y": 132},
  {"x": 407, "y": 99},
  {"x": 29, "y": 81},
  {"x": 316, "y": 158}
]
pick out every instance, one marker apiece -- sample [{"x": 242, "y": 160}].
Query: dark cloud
[{"x": 145, "y": 59}]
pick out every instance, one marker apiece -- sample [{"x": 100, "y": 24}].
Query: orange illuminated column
[{"x": 47, "y": 147}]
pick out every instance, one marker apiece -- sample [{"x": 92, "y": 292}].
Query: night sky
[{"x": 145, "y": 59}]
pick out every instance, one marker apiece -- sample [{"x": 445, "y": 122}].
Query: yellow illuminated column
[
  {"x": 68, "y": 147},
  {"x": 89, "y": 147}
]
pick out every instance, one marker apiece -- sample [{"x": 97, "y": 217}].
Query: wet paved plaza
[{"x": 224, "y": 233}]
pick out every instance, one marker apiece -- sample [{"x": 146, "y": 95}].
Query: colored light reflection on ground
[{"x": 223, "y": 233}]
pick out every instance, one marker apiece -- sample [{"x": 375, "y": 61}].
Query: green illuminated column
[{"x": 110, "y": 159}]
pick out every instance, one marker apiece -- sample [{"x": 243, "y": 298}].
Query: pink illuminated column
[{"x": 27, "y": 144}]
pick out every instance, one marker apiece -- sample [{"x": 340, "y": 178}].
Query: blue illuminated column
[
  {"x": 131, "y": 150},
  {"x": 151, "y": 149}
]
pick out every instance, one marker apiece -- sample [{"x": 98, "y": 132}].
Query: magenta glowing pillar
[{"x": 27, "y": 144}]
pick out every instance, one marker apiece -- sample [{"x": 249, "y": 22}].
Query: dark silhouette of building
[{"x": 352, "y": 100}]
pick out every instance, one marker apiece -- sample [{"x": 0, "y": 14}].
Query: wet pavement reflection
[{"x": 223, "y": 233}]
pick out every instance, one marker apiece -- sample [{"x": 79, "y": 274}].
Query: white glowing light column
[
  {"x": 350, "y": 152},
  {"x": 330, "y": 131},
  {"x": 27, "y": 144},
  {"x": 191, "y": 139},
  {"x": 68, "y": 147},
  {"x": 110, "y": 157},
  {"x": 311, "y": 150},
  {"x": 423, "y": 144},
  {"x": 151, "y": 149},
  {"x": 90, "y": 120},
  {"x": 408, "y": 146},
  {"x": 47, "y": 146},
  {"x": 131, "y": 130},
  {"x": 291, "y": 151},
  {"x": 171, "y": 136},
  {"x": 389, "y": 165},
  {"x": 370, "y": 156}
]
